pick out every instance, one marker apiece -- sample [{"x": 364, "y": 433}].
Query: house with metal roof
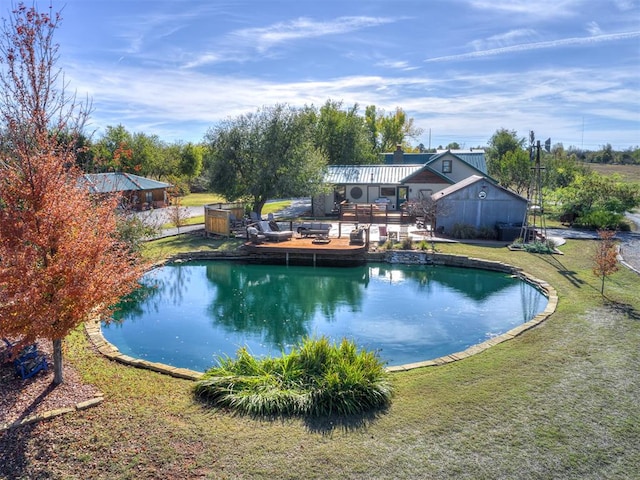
[
  {"x": 399, "y": 178},
  {"x": 138, "y": 193}
]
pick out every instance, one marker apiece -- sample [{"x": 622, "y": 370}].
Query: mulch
[{"x": 21, "y": 399}]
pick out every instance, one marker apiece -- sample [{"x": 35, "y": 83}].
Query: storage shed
[{"x": 480, "y": 203}]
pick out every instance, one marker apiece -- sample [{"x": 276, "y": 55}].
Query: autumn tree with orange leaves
[
  {"x": 61, "y": 261},
  {"x": 605, "y": 257}
]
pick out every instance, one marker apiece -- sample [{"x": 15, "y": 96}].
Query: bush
[
  {"x": 316, "y": 378},
  {"x": 600, "y": 219},
  {"x": 464, "y": 231},
  {"x": 539, "y": 247},
  {"x": 406, "y": 244}
]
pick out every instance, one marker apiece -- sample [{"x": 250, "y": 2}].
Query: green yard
[{"x": 560, "y": 401}]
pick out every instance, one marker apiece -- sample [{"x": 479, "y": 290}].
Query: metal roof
[
  {"x": 363, "y": 174},
  {"x": 462, "y": 184},
  {"x": 474, "y": 158},
  {"x": 409, "y": 158},
  {"x": 120, "y": 182}
]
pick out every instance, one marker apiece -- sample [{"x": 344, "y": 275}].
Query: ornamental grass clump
[{"x": 316, "y": 378}]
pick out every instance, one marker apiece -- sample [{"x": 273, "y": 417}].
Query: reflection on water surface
[{"x": 189, "y": 313}]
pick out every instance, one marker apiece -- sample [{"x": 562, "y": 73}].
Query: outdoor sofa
[{"x": 314, "y": 228}]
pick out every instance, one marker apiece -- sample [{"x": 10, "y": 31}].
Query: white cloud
[
  {"x": 593, "y": 28},
  {"x": 396, "y": 65},
  {"x": 625, "y": 5},
  {"x": 503, "y": 39},
  {"x": 266, "y": 38},
  {"x": 182, "y": 105},
  {"x": 538, "y": 9},
  {"x": 565, "y": 42}
]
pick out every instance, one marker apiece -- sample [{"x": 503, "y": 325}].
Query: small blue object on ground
[{"x": 29, "y": 362}]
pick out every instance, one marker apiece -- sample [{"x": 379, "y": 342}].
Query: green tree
[
  {"x": 385, "y": 132},
  {"x": 191, "y": 160},
  {"x": 342, "y": 135},
  {"x": 108, "y": 151},
  {"x": 264, "y": 155},
  {"x": 515, "y": 171},
  {"x": 562, "y": 169},
  {"x": 502, "y": 142},
  {"x": 148, "y": 157},
  {"x": 596, "y": 201}
]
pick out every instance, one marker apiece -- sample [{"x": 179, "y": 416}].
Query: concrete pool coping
[{"x": 94, "y": 330}]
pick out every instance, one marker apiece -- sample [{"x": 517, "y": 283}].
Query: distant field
[{"x": 628, "y": 173}]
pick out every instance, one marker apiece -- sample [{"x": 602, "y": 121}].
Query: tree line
[{"x": 574, "y": 193}]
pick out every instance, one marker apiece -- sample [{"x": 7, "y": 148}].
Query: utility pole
[{"x": 534, "y": 227}]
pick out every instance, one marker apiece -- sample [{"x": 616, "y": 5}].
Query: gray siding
[{"x": 466, "y": 207}]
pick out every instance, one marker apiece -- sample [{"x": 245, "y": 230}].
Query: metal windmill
[{"x": 534, "y": 227}]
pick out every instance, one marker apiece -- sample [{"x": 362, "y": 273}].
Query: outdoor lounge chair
[
  {"x": 29, "y": 362},
  {"x": 254, "y": 235},
  {"x": 274, "y": 235},
  {"x": 235, "y": 222}
]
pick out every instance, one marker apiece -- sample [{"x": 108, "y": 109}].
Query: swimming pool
[{"x": 189, "y": 313}]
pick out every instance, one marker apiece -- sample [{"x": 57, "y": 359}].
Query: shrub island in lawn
[{"x": 316, "y": 378}]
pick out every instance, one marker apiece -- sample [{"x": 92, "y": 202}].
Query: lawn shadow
[
  {"x": 323, "y": 424},
  {"x": 326, "y": 425},
  {"x": 570, "y": 275},
  {"x": 624, "y": 308},
  {"x": 16, "y": 441},
  {"x": 14, "y": 445}
]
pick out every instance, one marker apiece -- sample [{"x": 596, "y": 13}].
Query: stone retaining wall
[{"x": 94, "y": 331}]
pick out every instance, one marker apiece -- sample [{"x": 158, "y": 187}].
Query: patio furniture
[
  {"x": 28, "y": 364},
  {"x": 30, "y": 360},
  {"x": 356, "y": 237},
  {"x": 382, "y": 233},
  {"x": 255, "y": 236},
  {"x": 321, "y": 240},
  {"x": 235, "y": 222},
  {"x": 274, "y": 235},
  {"x": 314, "y": 228}
]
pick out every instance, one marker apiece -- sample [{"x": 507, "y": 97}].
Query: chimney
[{"x": 398, "y": 155}]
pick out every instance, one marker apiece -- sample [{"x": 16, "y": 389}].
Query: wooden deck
[{"x": 304, "y": 251}]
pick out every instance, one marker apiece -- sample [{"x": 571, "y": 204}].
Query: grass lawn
[
  {"x": 198, "y": 199},
  {"x": 558, "y": 402}
]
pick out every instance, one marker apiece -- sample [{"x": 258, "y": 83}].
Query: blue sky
[{"x": 567, "y": 69}]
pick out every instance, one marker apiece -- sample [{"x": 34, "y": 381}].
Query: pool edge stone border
[{"x": 93, "y": 327}]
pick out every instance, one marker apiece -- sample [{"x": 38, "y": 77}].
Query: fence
[{"x": 220, "y": 218}]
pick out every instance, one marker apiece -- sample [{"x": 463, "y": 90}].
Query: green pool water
[{"x": 188, "y": 314}]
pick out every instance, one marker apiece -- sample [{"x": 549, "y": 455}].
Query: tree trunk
[
  {"x": 57, "y": 361},
  {"x": 258, "y": 205}
]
